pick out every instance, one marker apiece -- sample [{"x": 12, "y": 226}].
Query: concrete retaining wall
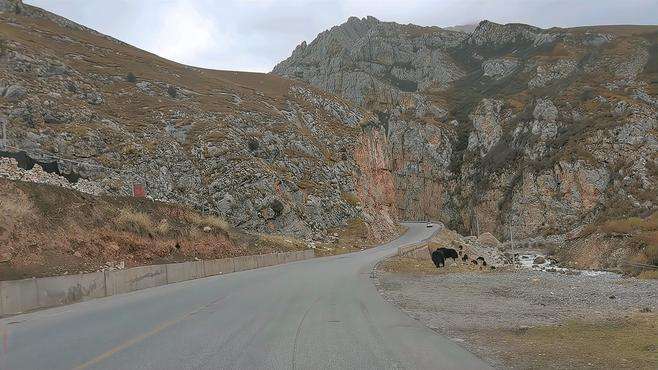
[
  {"x": 19, "y": 296},
  {"x": 219, "y": 267},
  {"x": 265, "y": 260},
  {"x": 245, "y": 263},
  {"x": 136, "y": 278},
  {"x": 60, "y": 290},
  {"x": 184, "y": 271}
]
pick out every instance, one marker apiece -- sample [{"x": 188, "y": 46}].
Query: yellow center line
[{"x": 141, "y": 337}]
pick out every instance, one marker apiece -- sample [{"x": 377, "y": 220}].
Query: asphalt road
[{"x": 323, "y": 313}]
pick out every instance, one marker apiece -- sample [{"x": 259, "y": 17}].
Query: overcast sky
[{"x": 253, "y": 35}]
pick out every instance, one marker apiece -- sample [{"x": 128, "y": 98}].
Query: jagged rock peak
[
  {"x": 492, "y": 33},
  {"x": 11, "y": 6}
]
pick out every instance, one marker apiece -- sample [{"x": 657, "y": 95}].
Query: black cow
[
  {"x": 440, "y": 255},
  {"x": 438, "y": 258},
  {"x": 449, "y": 253}
]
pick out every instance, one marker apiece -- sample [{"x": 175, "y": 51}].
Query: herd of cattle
[{"x": 440, "y": 255}]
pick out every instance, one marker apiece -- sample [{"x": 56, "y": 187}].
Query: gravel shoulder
[{"x": 530, "y": 319}]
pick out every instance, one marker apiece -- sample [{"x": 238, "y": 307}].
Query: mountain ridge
[{"x": 511, "y": 127}]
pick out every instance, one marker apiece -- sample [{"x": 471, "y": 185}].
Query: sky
[{"x": 254, "y": 35}]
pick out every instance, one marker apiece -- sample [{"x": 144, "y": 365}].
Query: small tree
[
  {"x": 130, "y": 77},
  {"x": 172, "y": 91}
]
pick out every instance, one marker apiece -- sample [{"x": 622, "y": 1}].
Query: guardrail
[{"x": 18, "y": 296}]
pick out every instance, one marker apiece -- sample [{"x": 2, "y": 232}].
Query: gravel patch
[{"x": 462, "y": 305}]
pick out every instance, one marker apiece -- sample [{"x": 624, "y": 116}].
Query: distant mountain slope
[
  {"x": 509, "y": 129},
  {"x": 267, "y": 153},
  {"x": 466, "y": 28}
]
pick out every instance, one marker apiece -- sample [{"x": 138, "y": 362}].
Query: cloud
[
  {"x": 254, "y": 35},
  {"x": 185, "y": 34}
]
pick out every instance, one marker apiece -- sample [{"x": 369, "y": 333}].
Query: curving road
[{"x": 322, "y": 313}]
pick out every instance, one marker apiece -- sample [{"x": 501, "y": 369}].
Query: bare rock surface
[{"x": 526, "y": 132}]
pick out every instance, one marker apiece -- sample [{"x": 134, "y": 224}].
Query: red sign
[{"x": 138, "y": 191}]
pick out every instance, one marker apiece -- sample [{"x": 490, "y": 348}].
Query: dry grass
[
  {"x": 651, "y": 250},
  {"x": 162, "y": 227},
  {"x": 623, "y": 226},
  {"x": 620, "y": 344},
  {"x": 280, "y": 242},
  {"x": 649, "y": 274},
  {"x": 351, "y": 198},
  {"x": 214, "y": 222},
  {"x": 135, "y": 222}
]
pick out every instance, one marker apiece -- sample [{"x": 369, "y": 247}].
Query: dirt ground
[{"x": 524, "y": 319}]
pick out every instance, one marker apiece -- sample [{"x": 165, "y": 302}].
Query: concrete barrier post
[
  {"x": 290, "y": 257},
  {"x": 280, "y": 258},
  {"x": 177, "y": 272},
  {"x": 218, "y": 267},
  {"x": 18, "y": 296},
  {"x": 265, "y": 260},
  {"x": 245, "y": 263}
]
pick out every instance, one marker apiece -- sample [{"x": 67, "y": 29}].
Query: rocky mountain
[
  {"x": 511, "y": 129},
  {"x": 267, "y": 153}
]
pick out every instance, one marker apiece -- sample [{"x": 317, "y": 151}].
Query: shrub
[
  {"x": 130, "y": 77},
  {"x": 3, "y": 47},
  {"x": 253, "y": 144},
  {"x": 277, "y": 206},
  {"x": 172, "y": 91},
  {"x": 136, "y": 222}
]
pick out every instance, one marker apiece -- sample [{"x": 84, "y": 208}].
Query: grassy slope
[{"x": 47, "y": 230}]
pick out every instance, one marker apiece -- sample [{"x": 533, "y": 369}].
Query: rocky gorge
[
  {"x": 527, "y": 133},
  {"x": 523, "y": 132}
]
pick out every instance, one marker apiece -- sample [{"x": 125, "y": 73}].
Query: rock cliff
[{"x": 511, "y": 128}]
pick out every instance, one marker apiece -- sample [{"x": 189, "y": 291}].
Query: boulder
[{"x": 15, "y": 93}]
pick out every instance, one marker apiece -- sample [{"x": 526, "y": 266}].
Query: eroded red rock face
[{"x": 375, "y": 185}]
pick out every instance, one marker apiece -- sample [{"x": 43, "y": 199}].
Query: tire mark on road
[{"x": 299, "y": 330}]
